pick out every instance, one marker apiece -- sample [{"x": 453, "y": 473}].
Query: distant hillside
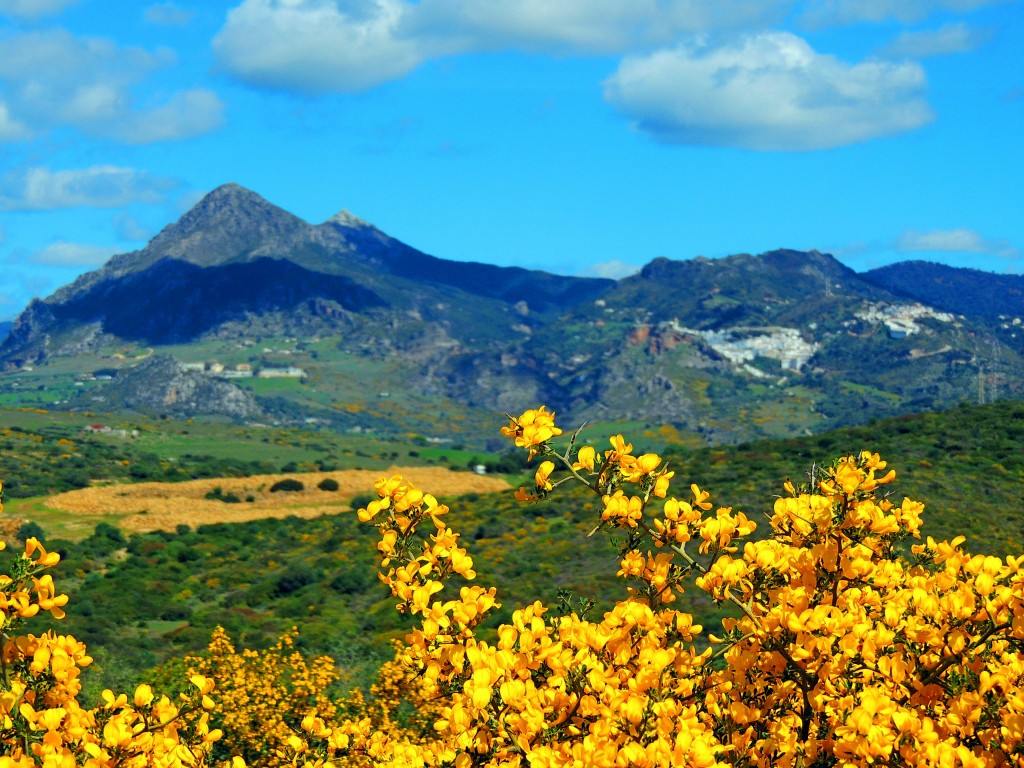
[
  {"x": 994, "y": 301},
  {"x": 968, "y": 292},
  {"x": 385, "y": 339},
  {"x": 785, "y": 335},
  {"x": 5, "y": 328}
]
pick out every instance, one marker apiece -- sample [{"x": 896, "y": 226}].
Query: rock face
[{"x": 161, "y": 385}]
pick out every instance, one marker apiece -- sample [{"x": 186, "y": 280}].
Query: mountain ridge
[
  {"x": 234, "y": 226},
  {"x": 954, "y": 289},
  {"x": 726, "y": 349}
]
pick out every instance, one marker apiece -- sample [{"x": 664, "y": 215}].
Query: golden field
[{"x": 164, "y": 506}]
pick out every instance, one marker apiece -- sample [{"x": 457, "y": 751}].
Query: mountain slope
[
  {"x": 994, "y": 301},
  {"x": 784, "y": 341},
  {"x": 174, "y": 301},
  {"x": 778, "y": 286},
  {"x": 540, "y": 290},
  {"x": 968, "y": 292},
  {"x": 235, "y": 256},
  {"x": 390, "y": 338}
]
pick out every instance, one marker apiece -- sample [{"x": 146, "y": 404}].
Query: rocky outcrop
[{"x": 161, "y": 385}]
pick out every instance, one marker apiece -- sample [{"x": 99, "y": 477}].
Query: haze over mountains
[{"x": 728, "y": 349}]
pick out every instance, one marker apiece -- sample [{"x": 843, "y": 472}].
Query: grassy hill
[{"x": 141, "y": 599}]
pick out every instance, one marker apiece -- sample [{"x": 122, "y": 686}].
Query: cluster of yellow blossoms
[
  {"x": 845, "y": 648},
  {"x": 42, "y": 723},
  {"x": 262, "y": 695},
  {"x": 533, "y": 430}
]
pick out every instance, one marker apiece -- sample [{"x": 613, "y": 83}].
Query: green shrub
[
  {"x": 29, "y": 530},
  {"x": 217, "y": 495},
  {"x": 296, "y": 577}
]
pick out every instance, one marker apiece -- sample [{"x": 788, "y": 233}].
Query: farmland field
[{"x": 142, "y": 507}]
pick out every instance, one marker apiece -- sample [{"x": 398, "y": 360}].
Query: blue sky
[{"x": 576, "y": 136}]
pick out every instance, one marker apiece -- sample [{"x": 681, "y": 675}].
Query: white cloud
[
  {"x": 168, "y": 14},
  {"x": 32, "y": 9},
  {"x": 185, "y": 114},
  {"x": 54, "y": 78},
  {"x": 829, "y": 12},
  {"x": 584, "y": 26},
  {"x": 769, "y": 91},
  {"x": 102, "y": 186},
  {"x": 11, "y": 129},
  {"x": 950, "y": 38},
  {"x": 957, "y": 241},
  {"x": 65, "y": 254},
  {"x": 614, "y": 269},
  {"x": 317, "y": 46}
]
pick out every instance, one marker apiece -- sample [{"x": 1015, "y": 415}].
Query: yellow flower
[
  {"x": 585, "y": 458},
  {"x": 523, "y": 495},
  {"x": 543, "y": 473},
  {"x": 632, "y": 564},
  {"x": 661, "y": 484},
  {"x": 700, "y": 498},
  {"x": 143, "y": 696},
  {"x": 624, "y": 511},
  {"x": 532, "y": 429},
  {"x": 619, "y": 448}
]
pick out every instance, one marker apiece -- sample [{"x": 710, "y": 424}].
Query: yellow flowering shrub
[
  {"x": 42, "y": 722},
  {"x": 846, "y": 649},
  {"x": 848, "y": 645},
  {"x": 402, "y": 704},
  {"x": 265, "y": 697},
  {"x": 261, "y": 695}
]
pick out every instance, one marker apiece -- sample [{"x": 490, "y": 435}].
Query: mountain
[
  {"x": 346, "y": 326},
  {"x": 968, "y": 292},
  {"x": 996, "y": 301},
  {"x": 5, "y": 328},
  {"x": 235, "y": 256},
  {"x": 753, "y": 344}
]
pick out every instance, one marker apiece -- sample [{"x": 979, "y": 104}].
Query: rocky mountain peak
[
  {"x": 229, "y": 205},
  {"x": 347, "y": 232},
  {"x": 229, "y": 222},
  {"x": 345, "y": 218}
]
